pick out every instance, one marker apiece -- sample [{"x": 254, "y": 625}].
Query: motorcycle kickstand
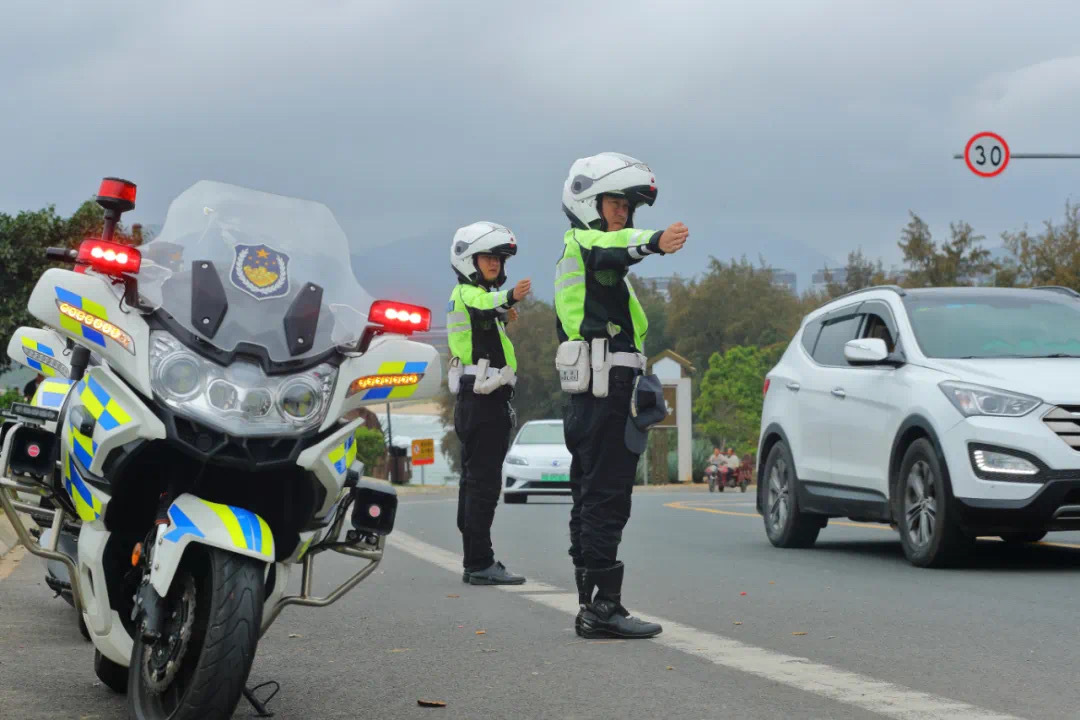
[{"x": 260, "y": 705}]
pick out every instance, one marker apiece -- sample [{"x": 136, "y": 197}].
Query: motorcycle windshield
[{"x": 267, "y": 270}]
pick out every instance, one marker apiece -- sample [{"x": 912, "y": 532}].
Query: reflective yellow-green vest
[
  {"x": 474, "y": 323},
  {"x": 593, "y": 295}
]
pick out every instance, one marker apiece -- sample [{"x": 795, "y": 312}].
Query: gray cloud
[{"x": 769, "y": 124}]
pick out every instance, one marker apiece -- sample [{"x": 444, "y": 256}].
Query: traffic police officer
[
  {"x": 602, "y": 328},
  {"x": 482, "y": 376}
]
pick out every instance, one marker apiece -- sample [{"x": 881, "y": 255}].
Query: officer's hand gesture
[
  {"x": 512, "y": 315},
  {"x": 674, "y": 238},
  {"x": 522, "y": 289}
]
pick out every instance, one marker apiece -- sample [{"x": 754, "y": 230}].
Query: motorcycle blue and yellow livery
[
  {"x": 204, "y": 454},
  {"x": 47, "y": 354}
]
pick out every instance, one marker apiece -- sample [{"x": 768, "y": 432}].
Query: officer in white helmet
[
  {"x": 482, "y": 376},
  {"x": 601, "y": 362}
]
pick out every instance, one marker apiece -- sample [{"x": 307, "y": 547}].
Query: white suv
[{"x": 949, "y": 413}]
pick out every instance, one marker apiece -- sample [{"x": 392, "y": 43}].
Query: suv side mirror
[{"x": 866, "y": 351}]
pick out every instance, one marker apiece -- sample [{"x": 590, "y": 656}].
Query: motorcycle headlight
[{"x": 240, "y": 399}]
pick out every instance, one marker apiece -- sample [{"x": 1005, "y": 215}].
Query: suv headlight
[
  {"x": 240, "y": 399},
  {"x": 515, "y": 460},
  {"x": 973, "y": 400}
]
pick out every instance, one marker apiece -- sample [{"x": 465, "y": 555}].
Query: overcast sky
[{"x": 815, "y": 122}]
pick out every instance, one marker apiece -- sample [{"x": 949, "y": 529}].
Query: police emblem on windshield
[{"x": 261, "y": 271}]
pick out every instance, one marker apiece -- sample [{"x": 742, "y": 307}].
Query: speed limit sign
[{"x": 987, "y": 154}]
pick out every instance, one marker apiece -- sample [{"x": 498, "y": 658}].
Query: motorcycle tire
[{"x": 222, "y": 594}]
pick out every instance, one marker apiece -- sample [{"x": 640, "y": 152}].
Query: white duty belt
[
  {"x": 630, "y": 360},
  {"x": 491, "y": 373}
]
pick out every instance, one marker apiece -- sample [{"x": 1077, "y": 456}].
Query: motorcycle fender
[
  {"x": 330, "y": 461},
  {"x": 194, "y": 520}
]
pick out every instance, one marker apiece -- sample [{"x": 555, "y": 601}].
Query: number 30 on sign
[{"x": 987, "y": 154}]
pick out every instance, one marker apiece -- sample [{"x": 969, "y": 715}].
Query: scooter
[
  {"x": 204, "y": 457},
  {"x": 723, "y": 476}
]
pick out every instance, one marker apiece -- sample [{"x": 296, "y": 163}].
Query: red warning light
[{"x": 116, "y": 194}]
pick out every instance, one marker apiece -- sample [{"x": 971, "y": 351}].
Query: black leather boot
[
  {"x": 584, "y": 594},
  {"x": 605, "y": 616}
]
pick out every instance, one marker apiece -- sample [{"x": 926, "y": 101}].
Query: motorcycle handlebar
[{"x": 55, "y": 253}]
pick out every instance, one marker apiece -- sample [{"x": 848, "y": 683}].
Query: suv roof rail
[
  {"x": 895, "y": 288},
  {"x": 1058, "y": 288}
]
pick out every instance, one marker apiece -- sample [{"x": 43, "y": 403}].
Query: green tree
[
  {"x": 728, "y": 406},
  {"x": 23, "y": 239},
  {"x": 860, "y": 272},
  {"x": 370, "y": 447},
  {"x": 960, "y": 261},
  {"x": 731, "y": 304},
  {"x": 1049, "y": 258},
  {"x": 7, "y": 397}
]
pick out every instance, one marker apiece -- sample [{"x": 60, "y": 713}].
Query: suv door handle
[
  {"x": 793, "y": 386},
  {"x": 839, "y": 392}
]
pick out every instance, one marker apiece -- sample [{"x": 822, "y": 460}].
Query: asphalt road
[{"x": 845, "y": 630}]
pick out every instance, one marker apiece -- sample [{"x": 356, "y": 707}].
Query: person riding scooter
[{"x": 712, "y": 468}]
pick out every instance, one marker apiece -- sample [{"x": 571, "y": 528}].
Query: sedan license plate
[{"x": 554, "y": 477}]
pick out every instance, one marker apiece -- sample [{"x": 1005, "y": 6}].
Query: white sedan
[{"x": 538, "y": 462}]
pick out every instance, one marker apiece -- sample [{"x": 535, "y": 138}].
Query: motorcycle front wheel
[{"x": 199, "y": 667}]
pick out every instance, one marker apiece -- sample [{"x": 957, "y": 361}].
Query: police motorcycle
[
  {"x": 46, "y": 353},
  {"x": 204, "y": 455}
]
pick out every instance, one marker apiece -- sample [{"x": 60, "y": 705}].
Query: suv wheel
[
  {"x": 929, "y": 529},
  {"x": 785, "y": 525}
]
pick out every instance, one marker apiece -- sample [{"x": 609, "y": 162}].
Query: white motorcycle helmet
[
  {"x": 608, "y": 173},
  {"x": 481, "y": 238}
]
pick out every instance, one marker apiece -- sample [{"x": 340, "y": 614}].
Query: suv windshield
[
  {"x": 541, "y": 434},
  {"x": 988, "y": 324}
]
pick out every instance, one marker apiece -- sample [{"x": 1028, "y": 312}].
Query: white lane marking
[
  {"x": 883, "y": 698},
  {"x": 531, "y": 587}
]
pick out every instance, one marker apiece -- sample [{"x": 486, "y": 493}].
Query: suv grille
[{"x": 1064, "y": 420}]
